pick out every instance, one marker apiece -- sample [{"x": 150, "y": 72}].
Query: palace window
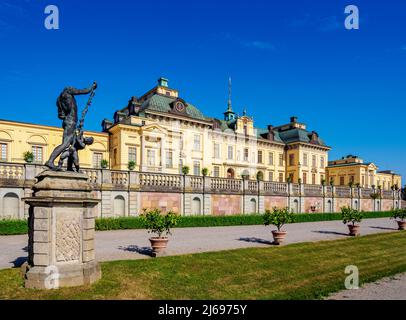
[
  {"x": 342, "y": 181},
  {"x": 305, "y": 161},
  {"x": 304, "y": 178},
  {"x": 291, "y": 176},
  {"x": 115, "y": 156},
  {"x": 291, "y": 159},
  {"x": 196, "y": 143},
  {"x": 3, "y": 151},
  {"x": 151, "y": 157},
  {"x": 363, "y": 181},
  {"x": 281, "y": 159},
  {"x": 180, "y": 165},
  {"x": 352, "y": 179},
  {"x": 313, "y": 178},
  {"x": 97, "y": 159},
  {"x": 246, "y": 154},
  {"x": 38, "y": 154},
  {"x": 270, "y": 175},
  {"x": 280, "y": 176},
  {"x": 132, "y": 154},
  {"x": 259, "y": 156},
  {"x": 245, "y": 129},
  {"x": 169, "y": 159},
  {"x": 216, "y": 151},
  {"x": 196, "y": 168},
  {"x": 230, "y": 152},
  {"x": 270, "y": 158},
  {"x": 322, "y": 162},
  {"x": 216, "y": 171},
  {"x": 314, "y": 161}
]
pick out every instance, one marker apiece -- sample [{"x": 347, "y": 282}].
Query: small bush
[
  {"x": 278, "y": 217},
  {"x": 351, "y": 215},
  {"x": 398, "y": 214},
  {"x": 156, "y": 222}
]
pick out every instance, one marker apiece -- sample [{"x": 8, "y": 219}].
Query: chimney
[
  {"x": 163, "y": 82},
  {"x": 293, "y": 119},
  {"x": 270, "y": 135}
]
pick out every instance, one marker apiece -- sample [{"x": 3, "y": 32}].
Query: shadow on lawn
[
  {"x": 20, "y": 260},
  {"x": 147, "y": 251},
  {"x": 256, "y": 240},
  {"x": 331, "y": 232}
]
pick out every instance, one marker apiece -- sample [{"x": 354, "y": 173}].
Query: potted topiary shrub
[
  {"x": 185, "y": 170},
  {"x": 157, "y": 223},
  {"x": 278, "y": 218},
  {"x": 399, "y": 215},
  {"x": 205, "y": 172},
  {"x": 28, "y": 157},
  {"x": 260, "y": 176},
  {"x": 131, "y": 165},
  {"x": 350, "y": 217},
  {"x": 104, "y": 164}
]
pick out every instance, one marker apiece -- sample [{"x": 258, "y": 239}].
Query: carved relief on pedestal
[{"x": 67, "y": 239}]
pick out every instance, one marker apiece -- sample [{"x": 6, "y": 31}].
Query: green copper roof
[
  {"x": 297, "y": 135},
  {"x": 161, "y": 103}
]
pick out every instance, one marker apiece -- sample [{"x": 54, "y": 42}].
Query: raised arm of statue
[{"x": 74, "y": 91}]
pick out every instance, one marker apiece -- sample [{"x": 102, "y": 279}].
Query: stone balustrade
[
  {"x": 11, "y": 173},
  {"x": 124, "y": 193}
]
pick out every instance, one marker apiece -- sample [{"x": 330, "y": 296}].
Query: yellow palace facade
[{"x": 161, "y": 132}]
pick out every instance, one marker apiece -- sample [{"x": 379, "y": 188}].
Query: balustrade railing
[
  {"x": 119, "y": 178},
  {"x": 196, "y": 182},
  {"x": 12, "y": 172},
  {"x": 94, "y": 175},
  {"x": 313, "y": 190},
  {"x": 159, "y": 180},
  {"x": 252, "y": 186},
  {"x": 280, "y": 188},
  {"x": 295, "y": 189},
  {"x": 225, "y": 184},
  {"x": 341, "y": 191}
]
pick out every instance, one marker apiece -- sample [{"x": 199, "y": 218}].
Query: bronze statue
[{"x": 72, "y": 133}]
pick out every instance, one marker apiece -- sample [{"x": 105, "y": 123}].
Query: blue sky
[{"x": 285, "y": 58}]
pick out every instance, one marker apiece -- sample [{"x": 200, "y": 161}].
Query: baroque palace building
[{"x": 159, "y": 133}]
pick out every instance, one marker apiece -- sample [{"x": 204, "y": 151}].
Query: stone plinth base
[{"x": 61, "y": 232}]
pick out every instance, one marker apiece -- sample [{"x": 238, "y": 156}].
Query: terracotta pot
[
  {"x": 401, "y": 224},
  {"x": 158, "y": 244},
  {"x": 278, "y": 236},
  {"x": 354, "y": 230}
]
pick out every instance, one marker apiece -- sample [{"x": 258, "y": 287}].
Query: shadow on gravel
[
  {"x": 134, "y": 248},
  {"x": 383, "y": 228},
  {"x": 331, "y": 232},
  {"x": 19, "y": 261},
  {"x": 256, "y": 240}
]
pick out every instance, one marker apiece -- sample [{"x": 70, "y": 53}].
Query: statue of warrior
[{"x": 68, "y": 112}]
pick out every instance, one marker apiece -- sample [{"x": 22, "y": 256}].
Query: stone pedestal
[{"x": 61, "y": 250}]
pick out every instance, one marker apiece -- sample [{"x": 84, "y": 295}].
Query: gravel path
[
  {"x": 391, "y": 288},
  {"x": 134, "y": 244}
]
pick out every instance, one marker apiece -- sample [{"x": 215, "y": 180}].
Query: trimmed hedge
[
  {"x": 12, "y": 227},
  {"x": 218, "y": 221}
]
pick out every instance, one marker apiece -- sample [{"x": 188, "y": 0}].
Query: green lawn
[{"x": 297, "y": 271}]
